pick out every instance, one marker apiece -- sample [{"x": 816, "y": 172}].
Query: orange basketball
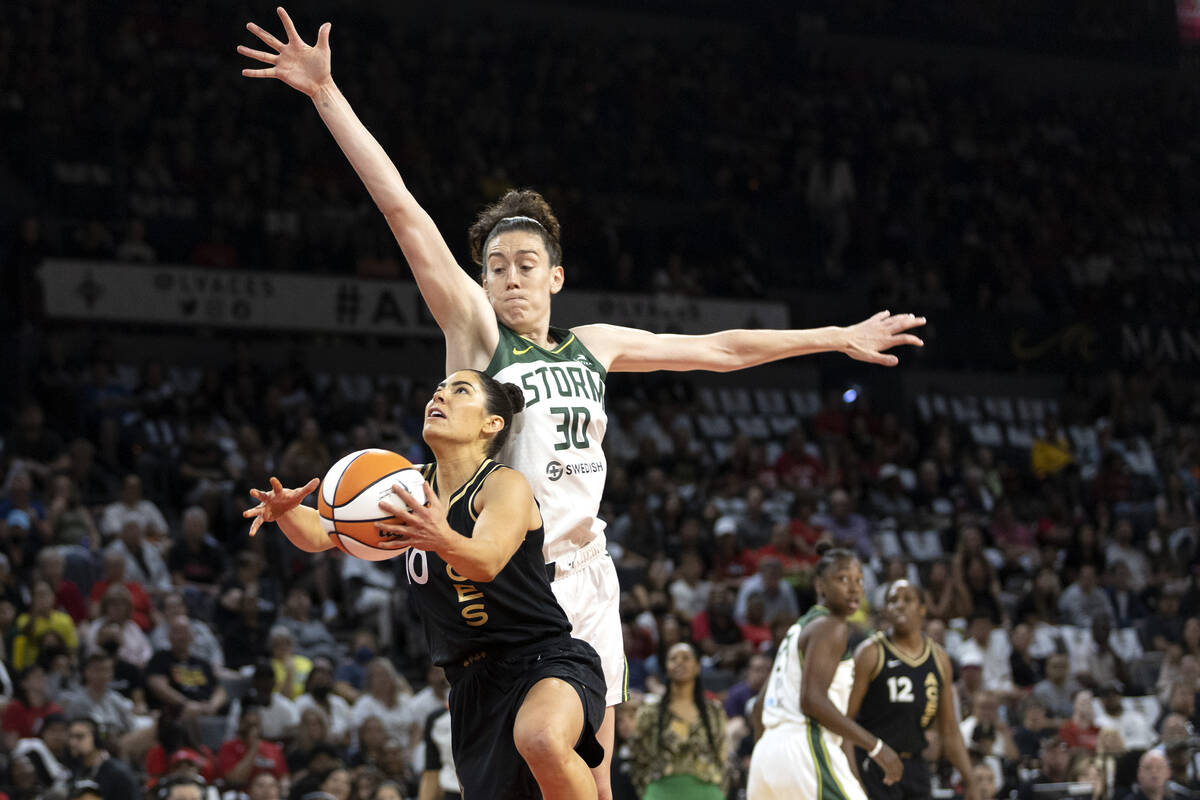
[{"x": 349, "y": 500}]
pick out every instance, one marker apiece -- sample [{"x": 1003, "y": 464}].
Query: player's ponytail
[{"x": 504, "y": 400}]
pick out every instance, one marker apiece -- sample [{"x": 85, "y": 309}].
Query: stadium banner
[{"x": 195, "y": 296}]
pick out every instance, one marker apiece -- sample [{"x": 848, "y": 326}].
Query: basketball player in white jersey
[
  {"x": 803, "y": 705},
  {"x": 501, "y": 325}
]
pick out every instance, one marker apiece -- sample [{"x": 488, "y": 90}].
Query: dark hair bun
[
  {"x": 823, "y": 547},
  {"x": 515, "y": 396}
]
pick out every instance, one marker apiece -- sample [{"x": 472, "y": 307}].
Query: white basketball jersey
[
  {"x": 556, "y": 441},
  {"x": 781, "y": 703}
]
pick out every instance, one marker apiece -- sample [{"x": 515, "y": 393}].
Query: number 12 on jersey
[{"x": 900, "y": 689}]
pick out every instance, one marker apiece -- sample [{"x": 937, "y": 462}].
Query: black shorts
[
  {"x": 914, "y": 783},
  {"x": 485, "y": 698}
]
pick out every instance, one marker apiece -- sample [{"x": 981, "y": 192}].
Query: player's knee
[{"x": 541, "y": 745}]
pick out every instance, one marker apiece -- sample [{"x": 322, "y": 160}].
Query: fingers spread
[
  {"x": 255, "y": 525},
  {"x": 276, "y": 486},
  {"x": 267, "y": 37},
  {"x": 288, "y": 27},
  {"x": 258, "y": 55}
]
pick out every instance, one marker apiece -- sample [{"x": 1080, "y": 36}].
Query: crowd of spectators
[
  {"x": 731, "y": 164},
  {"x": 1063, "y": 583}
]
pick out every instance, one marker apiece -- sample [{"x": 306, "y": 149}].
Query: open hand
[
  {"x": 421, "y": 526},
  {"x": 275, "y": 503},
  {"x": 868, "y": 340},
  {"x": 303, "y": 67}
]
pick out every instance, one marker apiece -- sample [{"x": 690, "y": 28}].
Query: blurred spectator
[
  {"x": 128, "y": 680},
  {"x": 245, "y": 756},
  {"x": 1054, "y": 764},
  {"x": 1164, "y": 626},
  {"x": 985, "y": 715},
  {"x": 33, "y": 625},
  {"x": 179, "y": 681},
  {"x": 1081, "y": 731},
  {"x": 48, "y": 751},
  {"x": 433, "y": 698},
  {"x": 1084, "y": 599},
  {"x": 196, "y": 562},
  {"x": 69, "y": 521},
  {"x": 291, "y": 668},
  {"x": 1051, "y": 451},
  {"x": 1025, "y": 669},
  {"x": 1152, "y": 776},
  {"x": 994, "y": 649},
  {"x": 319, "y": 693},
  {"x": 1121, "y": 550},
  {"x": 116, "y": 608},
  {"x": 311, "y": 637},
  {"x": 244, "y": 637},
  {"x": 1137, "y": 732},
  {"x": 204, "y": 642},
  {"x": 143, "y": 563},
  {"x": 93, "y": 762},
  {"x": 716, "y": 632},
  {"x": 847, "y": 526},
  {"x": 28, "y": 706},
  {"x": 738, "y": 697},
  {"x": 351, "y": 674},
  {"x": 278, "y": 716},
  {"x": 687, "y": 756},
  {"x": 133, "y": 507},
  {"x": 1127, "y": 602},
  {"x": 1034, "y": 728},
  {"x": 387, "y": 696},
  {"x": 1058, "y": 690},
  {"x": 778, "y": 596},
  {"x": 312, "y": 737},
  {"x": 51, "y": 568},
  {"x": 689, "y": 591},
  {"x": 110, "y": 710},
  {"x": 101, "y": 600}
]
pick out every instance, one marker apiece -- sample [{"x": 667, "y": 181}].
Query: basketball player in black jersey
[
  {"x": 525, "y": 697},
  {"x": 903, "y": 685}
]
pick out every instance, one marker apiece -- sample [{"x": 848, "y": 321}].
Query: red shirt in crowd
[
  {"x": 1076, "y": 736},
  {"x": 269, "y": 759},
  {"x": 22, "y": 720},
  {"x": 141, "y": 602},
  {"x": 70, "y": 599}
]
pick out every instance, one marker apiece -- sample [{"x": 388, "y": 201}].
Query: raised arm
[
  {"x": 632, "y": 350},
  {"x": 457, "y": 302},
  {"x": 505, "y": 512}
]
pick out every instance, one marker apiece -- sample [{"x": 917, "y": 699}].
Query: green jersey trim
[{"x": 513, "y": 348}]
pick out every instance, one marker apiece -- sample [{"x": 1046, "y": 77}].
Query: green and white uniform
[
  {"x": 556, "y": 445},
  {"x": 796, "y": 758}
]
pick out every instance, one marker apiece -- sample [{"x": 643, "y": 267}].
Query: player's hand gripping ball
[{"x": 349, "y": 501}]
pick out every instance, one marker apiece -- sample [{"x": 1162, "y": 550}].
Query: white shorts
[
  {"x": 587, "y": 589},
  {"x": 799, "y": 762}
]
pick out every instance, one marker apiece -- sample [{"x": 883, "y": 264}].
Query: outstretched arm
[
  {"x": 457, "y": 303},
  {"x": 632, "y": 350},
  {"x": 300, "y": 524}
]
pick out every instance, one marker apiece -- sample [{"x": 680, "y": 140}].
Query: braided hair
[{"x": 701, "y": 707}]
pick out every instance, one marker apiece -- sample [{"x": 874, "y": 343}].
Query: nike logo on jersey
[
  {"x": 893, "y": 662},
  {"x": 517, "y": 352}
]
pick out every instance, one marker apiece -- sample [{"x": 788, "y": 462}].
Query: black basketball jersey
[
  {"x": 465, "y": 619},
  {"x": 902, "y": 698}
]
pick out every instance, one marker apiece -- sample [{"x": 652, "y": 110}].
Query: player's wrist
[{"x": 874, "y": 751}]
